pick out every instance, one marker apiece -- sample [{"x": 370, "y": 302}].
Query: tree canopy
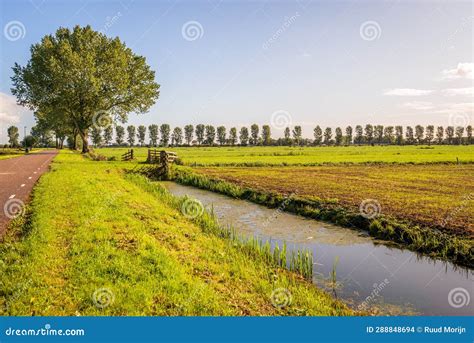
[{"x": 82, "y": 78}]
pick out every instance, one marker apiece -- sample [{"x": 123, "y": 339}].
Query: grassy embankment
[
  {"x": 6, "y": 153},
  {"x": 91, "y": 228},
  {"x": 9, "y": 153},
  {"x": 278, "y": 156},
  {"x": 423, "y": 207}
]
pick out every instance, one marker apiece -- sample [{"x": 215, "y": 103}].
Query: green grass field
[
  {"x": 93, "y": 232},
  {"x": 9, "y": 153},
  {"x": 310, "y": 155}
]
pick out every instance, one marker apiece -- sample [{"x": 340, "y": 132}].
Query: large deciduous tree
[
  {"x": 221, "y": 135},
  {"x": 359, "y": 135},
  {"x": 429, "y": 134},
  {"x": 108, "y": 134},
  {"x": 233, "y": 136},
  {"x": 210, "y": 134},
  {"x": 165, "y": 134},
  {"x": 297, "y": 134},
  {"x": 119, "y": 134},
  {"x": 188, "y": 134},
  {"x": 13, "y": 135},
  {"x": 200, "y": 128},
  {"x": 153, "y": 133},
  {"x": 177, "y": 136},
  {"x": 399, "y": 134},
  {"x": 327, "y": 136},
  {"x": 141, "y": 135},
  {"x": 266, "y": 135},
  {"x": 86, "y": 78},
  {"x": 338, "y": 136},
  {"x": 131, "y": 131},
  {"x": 244, "y": 136},
  {"x": 348, "y": 139},
  {"x": 254, "y": 130},
  {"x": 96, "y": 135},
  {"x": 318, "y": 135}
]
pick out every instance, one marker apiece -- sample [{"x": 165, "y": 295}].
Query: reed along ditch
[{"x": 349, "y": 264}]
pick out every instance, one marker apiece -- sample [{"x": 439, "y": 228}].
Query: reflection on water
[{"x": 388, "y": 279}]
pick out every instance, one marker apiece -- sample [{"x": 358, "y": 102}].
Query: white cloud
[
  {"x": 461, "y": 107},
  {"x": 6, "y": 118},
  {"x": 462, "y": 71},
  {"x": 419, "y": 105},
  {"x": 9, "y": 111},
  {"x": 469, "y": 91},
  {"x": 10, "y": 114},
  {"x": 407, "y": 92}
]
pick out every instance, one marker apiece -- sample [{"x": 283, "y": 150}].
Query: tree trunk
[
  {"x": 85, "y": 147},
  {"x": 74, "y": 145},
  {"x": 85, "y": 143}
]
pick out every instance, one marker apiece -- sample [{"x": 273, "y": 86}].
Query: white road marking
[
  {"x": 29, "y": 178},
  {"x": 11, "y": 196},
  {"x": 22, "y": 185},
  {"x": 7, "y": 173},
  {"x": 34, "y": 172}
]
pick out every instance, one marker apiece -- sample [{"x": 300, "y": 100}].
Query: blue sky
[{"x": 284, "y": 62}]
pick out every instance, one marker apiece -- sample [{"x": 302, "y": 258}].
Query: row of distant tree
[{"x": 255, "y": 135}]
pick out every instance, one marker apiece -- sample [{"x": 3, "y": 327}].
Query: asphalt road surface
[{"x": 18, "y": 175}]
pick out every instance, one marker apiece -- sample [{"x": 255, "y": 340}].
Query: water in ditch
[{"x": 387, "y": 279}]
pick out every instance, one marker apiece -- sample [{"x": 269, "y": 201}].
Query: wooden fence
[
  {"x": 162, "y": 161},
  {"x": 161, "y": 156},
  {"x": 128, "y": 156}
]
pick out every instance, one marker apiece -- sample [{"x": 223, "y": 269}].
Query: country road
[{"x": 17, "y": 178}]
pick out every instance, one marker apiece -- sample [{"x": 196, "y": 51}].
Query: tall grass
[{"x": 298, "y": 261}]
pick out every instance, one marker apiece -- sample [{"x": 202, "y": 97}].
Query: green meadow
[{"x": 203, "y": 156}]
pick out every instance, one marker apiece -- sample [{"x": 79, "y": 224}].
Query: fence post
[
  {"x": 164, "y": 163},
  {"x": 131, "y": 154}
]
